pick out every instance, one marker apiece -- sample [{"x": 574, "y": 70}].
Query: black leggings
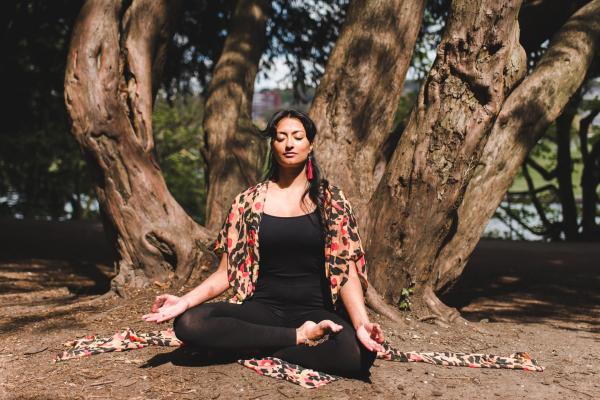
[{"x": 258, "y": 326}]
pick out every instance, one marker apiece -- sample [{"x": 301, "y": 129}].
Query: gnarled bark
[
  {"x": 478, "y": 62},
  {"x": 524, "y": 117},
  {"x": 115, "y": 60},
  {"x": 235, "y": 151},
  {"x": 358, "y": 95}
]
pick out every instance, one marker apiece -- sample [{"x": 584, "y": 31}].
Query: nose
[{"x": 289, "y": 143}]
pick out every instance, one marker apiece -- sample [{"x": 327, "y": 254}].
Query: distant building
[{"x": 265, "y": 102}]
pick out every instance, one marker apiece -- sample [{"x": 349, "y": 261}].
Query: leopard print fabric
[
  {"x": 238, "y": 237},
  {"x": 120, "y": 341},
  {"x": 280, "y": 369}
]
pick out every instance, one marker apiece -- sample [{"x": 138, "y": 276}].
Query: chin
[{"x": 289, "y": 163}]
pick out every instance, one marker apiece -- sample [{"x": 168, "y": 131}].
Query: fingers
[
  {"x": 378, "y": 337},
  {"x": 372, "y": 345},
  {"x": 151, "y": 317},
  {"x": 332, "y": 325},
  {"x": 159, "y": 301},
  {"x": 377, "y": 347},
  {"x": 157, "y": 317}
]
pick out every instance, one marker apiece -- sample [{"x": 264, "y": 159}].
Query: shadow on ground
[
  {"x": 44, "y": 265},
  {"x": 531, "y": 282}
]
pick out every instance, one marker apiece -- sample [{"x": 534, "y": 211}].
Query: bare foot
[{"x": 312, "y": 331}]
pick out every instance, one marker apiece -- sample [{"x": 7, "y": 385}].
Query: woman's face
[{"x": 290, "y": 145}]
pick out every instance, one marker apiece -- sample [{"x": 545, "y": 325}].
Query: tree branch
[
  {"x": 548, "y": 187},
  {"x": 536, "y": 202},
  {"x": 523, "y": 224},
  {"x": 584, "y": 128},
  {"x": 547, "y": 175}
]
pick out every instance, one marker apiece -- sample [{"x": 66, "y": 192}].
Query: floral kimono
[{"x": 239, "y": 238}]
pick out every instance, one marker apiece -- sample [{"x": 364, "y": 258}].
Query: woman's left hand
[{"x": 371, "y": 336}]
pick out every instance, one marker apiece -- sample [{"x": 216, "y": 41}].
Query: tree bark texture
[
  {"x": 415, "y": 205},
  {"x": 564, "y": 169},
  {"x": 235, "y": 149},
  {"x": 524, "y": 118},
  {"x": 115, "y": 60},
  {"x": 357, "y": 97}
]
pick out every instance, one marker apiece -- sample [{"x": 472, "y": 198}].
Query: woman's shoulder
[
  {"x": 249, "y": 193},
  {"x": 337, "y": 194}
]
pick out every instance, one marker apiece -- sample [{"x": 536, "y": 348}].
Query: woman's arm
[
  {"x": 352, "y": 297},
  {"x": 211, "y": 287},
  {"x": 370, "y": 334},
  {"x": 168, "y": 306}
]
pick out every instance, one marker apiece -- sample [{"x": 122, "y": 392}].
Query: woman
[{"x": 291, "y": 310}]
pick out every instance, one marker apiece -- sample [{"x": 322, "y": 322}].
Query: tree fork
[
  {"x": 114, "y": 64},
  {"x": 526, "y": 114}
]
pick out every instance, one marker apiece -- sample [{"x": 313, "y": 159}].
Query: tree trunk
[
  {"x": 524, "y": 118},
  {"x": 358, "y": 95},
  {"x": 113, "y": 68},
  {"x": 415, "y": 205},
  {"x": 564, "y": 168},
  {"x": 234, "y": 148},
  {"x": 590, "y": 179}
]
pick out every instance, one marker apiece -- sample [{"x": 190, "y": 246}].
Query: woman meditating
[{"x": 301, "y": 297}]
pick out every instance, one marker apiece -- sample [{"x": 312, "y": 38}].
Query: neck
[{"x": 292, "y": 177}]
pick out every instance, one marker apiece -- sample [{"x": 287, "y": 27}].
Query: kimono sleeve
[
  {"x": 220, "y": 244},
  {"x": 350, "y": 237}
]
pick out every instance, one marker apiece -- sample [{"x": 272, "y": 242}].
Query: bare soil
[{"x": 518, "y": 296}]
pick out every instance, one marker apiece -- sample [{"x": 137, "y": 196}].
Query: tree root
[
  {"x": 441, "y": 313},
  {"x": 98, "y": 299},
  {"x": 376, "y": 303}
]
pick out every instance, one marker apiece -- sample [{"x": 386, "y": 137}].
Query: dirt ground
[{"x": 518, "y": 296}]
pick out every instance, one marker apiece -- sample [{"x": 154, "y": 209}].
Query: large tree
[
  {"x": 422, "y": 195},
  {"x": 115, "y": 60}
]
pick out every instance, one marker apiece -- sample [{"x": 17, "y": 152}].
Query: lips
[{"x": 289, "y": 154}]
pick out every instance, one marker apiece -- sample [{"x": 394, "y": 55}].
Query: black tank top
[{"x": 291, "y": 273}]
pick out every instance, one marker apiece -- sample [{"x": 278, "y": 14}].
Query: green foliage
[
  {"x": 42, "y": 174},
  {"x": 178, "y": 139},
  {"x": 518, "y": 212},
  {"x": 404, "y": 304}
]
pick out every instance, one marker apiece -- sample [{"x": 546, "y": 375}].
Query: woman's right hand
[{"x": 166, "y": 307}]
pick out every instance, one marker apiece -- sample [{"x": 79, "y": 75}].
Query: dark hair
[{"x": 318, "y": 184}]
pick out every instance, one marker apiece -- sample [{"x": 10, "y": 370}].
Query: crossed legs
[{"x": 253, "y": 325}]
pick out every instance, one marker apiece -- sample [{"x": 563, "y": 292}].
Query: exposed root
[
  {"x": 436, "y": 320},
  {"x": 441, "y": 313},
  {"x": 98, "y": 299},
  {"x": 376, "y": 303}
]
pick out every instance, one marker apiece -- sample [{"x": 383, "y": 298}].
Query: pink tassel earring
[{"x": 309, "y": 171}]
